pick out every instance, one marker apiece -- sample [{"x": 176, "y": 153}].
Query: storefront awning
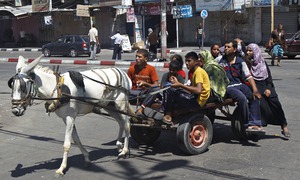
[{"x": 17, "y": 11}]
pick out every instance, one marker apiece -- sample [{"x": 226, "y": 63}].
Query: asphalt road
[{"x": 31, "y": 145}]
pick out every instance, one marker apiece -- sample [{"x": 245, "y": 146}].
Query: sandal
[
  {"x": 255, "y": 130},
  {"x": 286, "y": 134},
  {"x": 167, "y": 119}
]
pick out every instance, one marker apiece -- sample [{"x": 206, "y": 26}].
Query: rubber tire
[
  {"x": 144, "y": 135},
  {"x": 199, "y": 144},
  {"x": 237, "y": 125},
  {"x": 73, "y": 53},
  {"x": 46, "y": 52}
]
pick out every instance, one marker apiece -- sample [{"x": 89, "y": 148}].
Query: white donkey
[{"x": 104, "y": 87}]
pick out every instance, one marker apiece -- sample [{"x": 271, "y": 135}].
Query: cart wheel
[
  {"x": 237, "y": 125},
  {"x": 195, "y": 134},
  {"x": 144, "y": 135}
]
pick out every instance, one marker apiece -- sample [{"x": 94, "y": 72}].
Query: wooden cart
[{"x": 194, "y": 128}]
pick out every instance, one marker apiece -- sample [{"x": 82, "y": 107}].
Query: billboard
[
  {"x": 213, "y": 5},
  {"x": 40, "y": 5}
]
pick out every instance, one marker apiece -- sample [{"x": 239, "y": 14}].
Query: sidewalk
[{"x": 104, "y": 57}]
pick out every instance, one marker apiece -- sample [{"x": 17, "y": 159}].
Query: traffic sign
[{"x": 204, "y": 14}]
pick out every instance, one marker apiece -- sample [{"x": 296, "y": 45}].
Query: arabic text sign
[
  {"x": 185, "y": 11},
  {"x": 82, "y": 10}
]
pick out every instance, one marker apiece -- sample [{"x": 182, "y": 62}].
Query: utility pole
[
  {"x": 272, "y": 15},
  {"x": 50, "y": 5},
  {"x": 163, "y": 25}
]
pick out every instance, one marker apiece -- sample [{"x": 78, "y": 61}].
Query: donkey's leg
[
  {"x": 80, "y": 146},
  {"x": 119, "y": 120},
  {"x": 69, "y": 121},
  {"x": 126, "y": 126}
]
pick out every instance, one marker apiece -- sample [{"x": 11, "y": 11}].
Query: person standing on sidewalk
[
  {"x": 22, "y": 38},
  {"x": 277, "y": 43},
  {"x": 153, "y": 40},
  {"x": 94, "y": 42},
  {"x": 118, "y": 39},
  {"x": 199, "y": 34}
]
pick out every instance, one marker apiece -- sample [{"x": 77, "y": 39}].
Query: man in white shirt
[
  {"x": 118, "y": 38},
  {"x": 22, "y": 38},
  {"x": 94, "y": 41}
]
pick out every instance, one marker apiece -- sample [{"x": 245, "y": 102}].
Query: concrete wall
[{"x": 222, "y": 26}]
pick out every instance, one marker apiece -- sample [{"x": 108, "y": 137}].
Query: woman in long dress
[{"x": 271, "y": 109}]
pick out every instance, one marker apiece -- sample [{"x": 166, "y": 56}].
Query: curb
[
  {"x": 171, "y": 51},
  {"x": 21, "y": 49},
  {"x": 86, "y": 62}
]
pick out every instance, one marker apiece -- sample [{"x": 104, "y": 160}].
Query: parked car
[
  {"x": 68, "y": 45},
  {"x": 292, "y": 46}
]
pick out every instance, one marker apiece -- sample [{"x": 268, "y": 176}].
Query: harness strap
[
  {"x": 56, "y": 102},
  {"x": 108, "y": 85}
]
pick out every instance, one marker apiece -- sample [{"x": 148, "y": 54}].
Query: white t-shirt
[
  {"x": 93, "y": 33},
  {"x": 118, "y": 38},
  {"x": 22, "y": 34}
]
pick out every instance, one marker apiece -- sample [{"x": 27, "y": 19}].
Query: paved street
[{"x": 31, "y": 145}]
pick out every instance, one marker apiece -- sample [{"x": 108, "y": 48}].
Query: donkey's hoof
[
  {"x": 58, "y": 175},
  {"x": 122, "y": 155}
]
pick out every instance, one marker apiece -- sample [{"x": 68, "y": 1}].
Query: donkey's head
[{"x": 22, "y": 86}]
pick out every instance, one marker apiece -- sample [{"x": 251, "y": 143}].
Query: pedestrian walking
[
  {"x": 199, "y": 34},
  {"x": 118, "y": 39},
  {"x": 94, "y": 41},
  {"x": 277, "y": 43}
]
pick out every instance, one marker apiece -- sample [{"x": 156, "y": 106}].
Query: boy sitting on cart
[
  {"x": 187, "y": 97},
  {"x": 144, "y": 80}
]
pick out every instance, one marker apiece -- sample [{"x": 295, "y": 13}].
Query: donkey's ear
[
  {"x": 21, "y": 64},
  {"x": 29, "y": 67}
]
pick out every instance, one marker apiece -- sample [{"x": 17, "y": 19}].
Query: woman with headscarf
[
  {"x": 216, "y": 74},
  {"x": 271, "y": 109}
]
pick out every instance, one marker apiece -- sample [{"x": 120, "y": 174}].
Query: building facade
[{"x": 252, "y": 24}]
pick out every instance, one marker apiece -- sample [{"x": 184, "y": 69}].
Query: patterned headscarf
[
  {"x": 208, "y": 60},
  {"x": 259, "y": 68},
  {"x": 216, "y": 73}
]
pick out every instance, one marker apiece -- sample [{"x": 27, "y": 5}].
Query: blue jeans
[
  {"x": 93, "y": 49},
  {"x": 248, "y": 106},
  {"x": 199, "y": 39}
]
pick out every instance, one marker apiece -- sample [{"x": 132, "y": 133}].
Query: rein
[
  {"x": 91, "y": 98},
  {"x": 111, "y": 86}
]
